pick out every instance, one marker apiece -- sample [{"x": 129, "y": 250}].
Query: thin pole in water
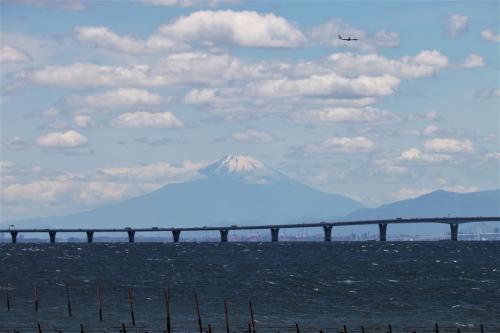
[
  {"x": 200, "y": 327},
  {"x": 390, "y": 328},
  {"x": 251, "y": 316},
  {"x": 99, "y": 301},
  {"x": 482, "y": 329},
  {"x": 297, "y": 329},
  {"x": 362, "y": 329},
  {"x": 67, "y": 300},
  {"x": 7, "y": 299},
  {"x": 436, "y": 328},
  {"x": 36, "y": 298},
  {"x": 131, "y": 305},
  {"x": 39, "y": 328},
  {"x": 345, "y": 329},
  {"x": 166, "y": 298},
  {"x": 226, "y": 316}
]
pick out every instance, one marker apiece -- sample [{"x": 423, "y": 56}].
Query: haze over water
[{"x": 315, "y": 284}]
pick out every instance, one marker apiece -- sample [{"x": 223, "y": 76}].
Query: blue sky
[{"x": 106, "y": 100}]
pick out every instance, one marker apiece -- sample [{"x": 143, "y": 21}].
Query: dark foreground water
[{"x": 315, "y": 284}]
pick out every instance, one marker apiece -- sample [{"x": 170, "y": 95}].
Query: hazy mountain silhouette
[
  {"x": 439, "y": 203},
  {"x": 233, "y": 190}
]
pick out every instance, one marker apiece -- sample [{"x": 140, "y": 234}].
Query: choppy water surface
[{"x": 315, "y": 284}]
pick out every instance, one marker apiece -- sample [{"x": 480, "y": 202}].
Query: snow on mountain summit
[
  {"x": 242, "y": 167},
  {"x": 237, "y": 163}
]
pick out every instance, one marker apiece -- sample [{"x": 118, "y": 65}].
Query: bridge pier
[
  {"x": 328, "y": 232},
  {"x": 13, "y": 235},
  {"x": 275, "y": 234},
  {"x": 52, "y": 236},
  {"x": 90, "y": 236},
  {"x": 177, "y": 234},
  {"x": 382, "y": 229},
  {"x": 223, "y": 235},
  {"x": 131, "y": 236},
  {"x": 454, "y": 231}
]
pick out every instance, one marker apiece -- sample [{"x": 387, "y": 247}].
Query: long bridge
[{"x": 453, "y": 222}]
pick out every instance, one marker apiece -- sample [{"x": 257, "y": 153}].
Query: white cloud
[
  {"x": 424, "y": 64},
  {"x": 14, "y": 144},
  {"x": 335, "y": 145},
  {"x": 410, "y": 193},
  {"x": 488, "y": 93},
  {"x": 82, "y": 121},
  {"x": 118, "y": 98},
  {"x": 328, "y": 33},
  {"x": 103, "y": 37},
  {"x": 142, "y": 119},
  {"x": 448, "y": 145},
  {"x": 473, "y": 61},
  {"x": 46, "y": 113},
  {"x": 69, "y": 139},
  {"x": 430, "y": 130},
  {"x": 489, "y": 36},
  {"x": 345, "y": 115},
  {"x": 11, "y": 54},
  {"x": 88, "y": 74},
  {"x": 243, "y": 28},
  {"x": 331, "y": 85},
  {"x": 248, "y": 136},
  {"x": 416, "y": 156},
  {"x": 457, "y": 25},
  {"x": 155, "y": 172}
]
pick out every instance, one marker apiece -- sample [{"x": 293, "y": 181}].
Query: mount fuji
[{"x": 233, "y": 190}]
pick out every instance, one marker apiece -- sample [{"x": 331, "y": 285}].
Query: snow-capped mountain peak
[
  {"x": 237, "y": 163},
  {"x": 242, "y": 167}
]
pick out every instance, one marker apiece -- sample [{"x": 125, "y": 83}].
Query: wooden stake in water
[
  {"x": 7, "y": 299},
  {"x": 227, "y": 318},
  {"x": 251, "y": 316},
  {"x": 39, "y": 328},
  {"x": 99, "y": 301},
  {"x": 131, "y": 305},
  {"x": 67, "y": 300},
  {"x": 36, "y": 298},
  {"x": 200, "y": 327},
  {"x": 297, "y": 329},
  {"x": 166, "y": 298}
]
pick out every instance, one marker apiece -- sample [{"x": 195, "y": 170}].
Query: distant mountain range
[
  {"x": 233, "y": 190},
  {"x": 242, "y": 190}
]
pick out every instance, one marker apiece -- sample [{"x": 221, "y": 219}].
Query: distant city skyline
[{"x": 103, "y": 101}]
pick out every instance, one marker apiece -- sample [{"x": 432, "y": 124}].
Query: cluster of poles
[{"x": 209, "y": 329}]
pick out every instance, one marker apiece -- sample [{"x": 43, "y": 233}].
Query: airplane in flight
[{"x": 347, "y": 39}]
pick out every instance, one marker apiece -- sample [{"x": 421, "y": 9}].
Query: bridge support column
[
  {"x": 131, "y": 236},
  {"x": 177, "y": 235},
  {"x": 382, "y": 229},
  {"x": 275, "y": 234},
  {"x": 454, "y": 231},
  {"x": 13, "y": 235},
  {"x": 223, "y": 235},
  {"x": 328, "y": 232},
  {"x": 90, "y": 236},
  {"x": 52, "y": 236}
]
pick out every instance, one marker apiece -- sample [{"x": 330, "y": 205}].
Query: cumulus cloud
[
  {"x": 243, "y": 28},
  {"x": 342, "y": 145},
  {"x": 82, "y": 121},
  {"x": 424, "y": 64},
  {"x": 457, "y": 25},
  {"x": 415, "y": 155},
  {"x": 449, "y": 145},
  {"x": 118, "y": 98},
  {"x": 248, "y": 136},
  {"x": 10, "y": 53},
  {"x": 488, "y": 93},
  {"x": 143, "y": 119},
  {"x": 330, "y": 85},
  {"x": 328, "y": 33},
  {"x": 69, "y": 139},
  {"x": 473, "y": 61},
  {"x": 368, "y": 115},
  {"x": 489, "y": 36},
  {"x": 105, "y": 38}
]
